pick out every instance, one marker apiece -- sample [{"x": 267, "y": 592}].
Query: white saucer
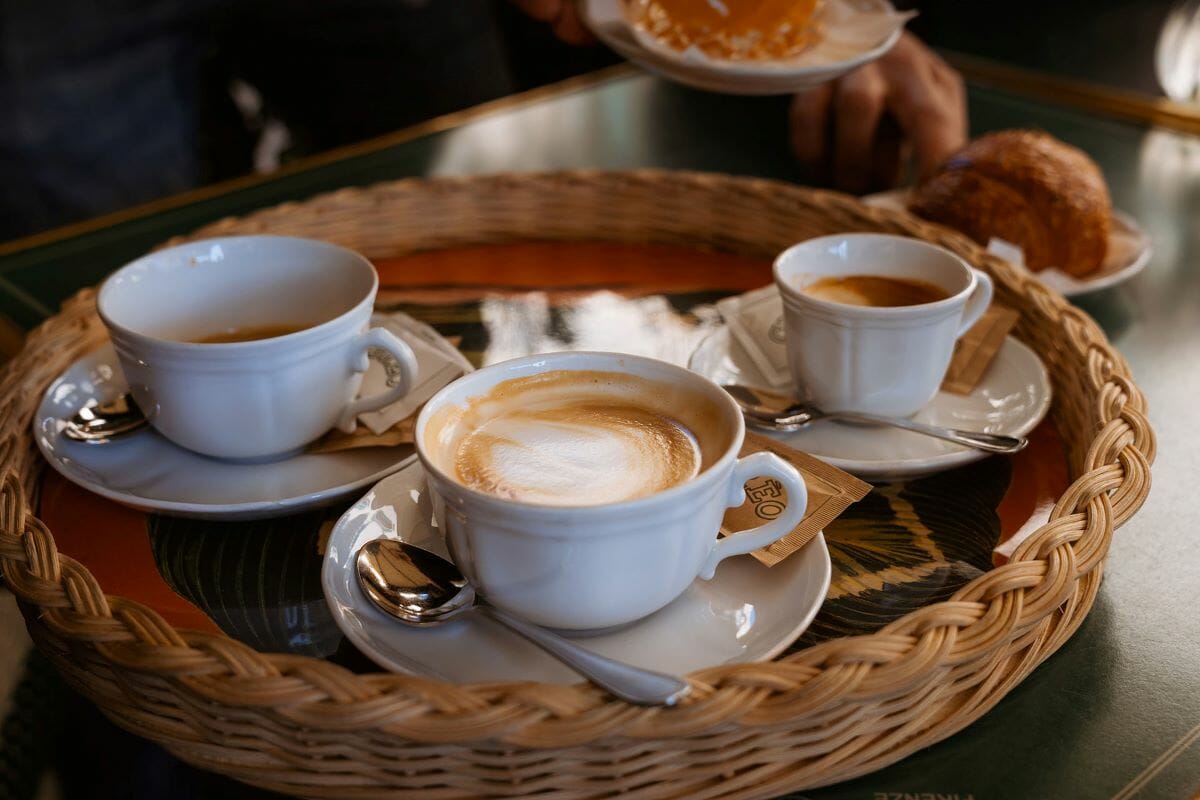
[
  {"x": 1129, "y": 251},
  {"x": 1012, "y": 398},
  {"x": 748, "y": 612},
  {"x": 146, "y": 471},
  {"x": 607, "y": 21}
]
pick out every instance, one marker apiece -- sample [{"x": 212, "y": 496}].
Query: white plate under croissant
[{"x": 1129, "y": 250}]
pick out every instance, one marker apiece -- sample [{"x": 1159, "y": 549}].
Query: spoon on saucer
[
  {"x": 102, "y": 422},
  {"x": 421, "y": 588},
  {"x": 773, "y": 412}
]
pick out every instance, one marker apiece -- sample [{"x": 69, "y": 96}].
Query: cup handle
[
  {"x": 978, "y": 302},
  {"x": 759, "y": 465},
  {"x": 360, "y": 358}
]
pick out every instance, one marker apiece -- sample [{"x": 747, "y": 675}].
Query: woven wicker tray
[{"x": 822, "y": 715}]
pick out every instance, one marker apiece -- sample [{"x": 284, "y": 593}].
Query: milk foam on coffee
[
  {"x": 574, "y": 438},
  {"x": 577, "y": 453}
]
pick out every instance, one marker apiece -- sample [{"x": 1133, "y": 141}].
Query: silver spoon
[
  {"x": 772, "y": 412},
  {"x": 99, "y": 423},
  {"x": 421, "y": 588}
]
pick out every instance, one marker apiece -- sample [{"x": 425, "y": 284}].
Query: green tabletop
[{"x": 1116, "y": 713}]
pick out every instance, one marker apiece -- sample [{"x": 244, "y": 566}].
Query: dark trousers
[{"x": 108, "y": 103}]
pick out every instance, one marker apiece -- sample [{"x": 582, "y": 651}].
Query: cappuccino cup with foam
[
  {"x": 585, "y": 490},
  {"x": 871, "y": 319}
]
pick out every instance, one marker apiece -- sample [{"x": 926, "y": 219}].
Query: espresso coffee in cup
[
  {"x": 249, "y": 347},
  {"x": 876, "y": 291},
  {"x": 871, "y": 319},
  {"x": 586, "y": 490},
  {"x": 251, "y": 333}
]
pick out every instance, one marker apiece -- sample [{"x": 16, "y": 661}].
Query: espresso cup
[
  {"x": 888, "y": 360},
  {"x": 257, "y": 399},
  {"x": 608, "y": 528}
]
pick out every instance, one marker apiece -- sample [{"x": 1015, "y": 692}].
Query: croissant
[{"x": 1027, "y": 188}]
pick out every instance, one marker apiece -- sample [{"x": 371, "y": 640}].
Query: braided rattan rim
[{"x": 825, "y": 714}]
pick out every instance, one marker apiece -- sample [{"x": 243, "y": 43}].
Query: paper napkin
[{"x": 438, "y": 363}]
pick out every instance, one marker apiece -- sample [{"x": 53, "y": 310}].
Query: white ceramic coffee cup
[
  {"x": 594, "y": 567},
  {"x": 254, "y": 399},
  {"x": 875, "y": 360}
]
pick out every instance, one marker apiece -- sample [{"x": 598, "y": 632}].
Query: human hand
[
  {"x": 563, "y": 17},
  {"x": 854, "y": 129}
]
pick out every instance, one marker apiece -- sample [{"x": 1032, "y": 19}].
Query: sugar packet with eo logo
[{"x": 830, "y": 492}]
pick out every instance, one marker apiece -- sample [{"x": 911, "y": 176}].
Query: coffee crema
[
  {"x": 875, "y": 291},
  {"x": 572, "y": 438},
  {"x": 250, "y": 333}
]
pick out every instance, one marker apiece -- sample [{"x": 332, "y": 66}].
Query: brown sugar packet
[
  {"x": 977, "y": 348},
  {"x": 830, "y": 492}
]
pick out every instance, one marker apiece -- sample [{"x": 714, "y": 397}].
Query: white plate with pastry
[
  {"x": 847, "y": 35},
  {"x": 1129, "y": 251},
  {"x": 1036, "y": 201}
]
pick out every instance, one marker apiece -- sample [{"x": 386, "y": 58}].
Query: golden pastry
[
  {"x": 729, "y": 29},
  {"x": 1027, "y": 188}
]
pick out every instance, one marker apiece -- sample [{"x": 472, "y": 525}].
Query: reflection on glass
[
  {"x": 535, "y": 137},
  {"x": 645, "y": 326},
  {"x": 1169, "y": 177},
  {"x": 260, "y": 582},
  {"x": 1177, "y": 54}
]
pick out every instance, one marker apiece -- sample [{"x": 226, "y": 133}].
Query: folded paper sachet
[
  {"x": 977, "y": 348},
  {"x": 438, "y": 363},
  {"x": 830, "y": 492},
  {"x": 755, "y": 320}
]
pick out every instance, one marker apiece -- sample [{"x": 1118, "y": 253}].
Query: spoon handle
[
  {"x": 633, "y": 684},
  {"x": 991, "y": 442}
]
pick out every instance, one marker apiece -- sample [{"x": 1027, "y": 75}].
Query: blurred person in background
[
  {"x": 107, "y": 105},
  {"x": 857, "y": 132}
]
